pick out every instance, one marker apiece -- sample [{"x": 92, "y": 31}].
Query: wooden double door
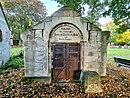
[{"x": 66, "y": 61}]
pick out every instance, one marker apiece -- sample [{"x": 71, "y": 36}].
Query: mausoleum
[
  {"x": 4, "y": 38},
  {"x": 64, "y": 45}
]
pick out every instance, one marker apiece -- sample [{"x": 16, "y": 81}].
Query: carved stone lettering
[{"x": 66, "y": 33}]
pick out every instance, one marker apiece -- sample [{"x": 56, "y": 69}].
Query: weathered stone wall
[
  {"x": 36, "y": 55},
  {"x": 38, "y": 46},
  {"x": 5, "y": 44},
  {"x": 103, "y": 52}
]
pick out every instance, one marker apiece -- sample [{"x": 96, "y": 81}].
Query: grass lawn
[
  {"x": 15, "y": 50},
  {"x": 124, "y": 53},
  {"x": 111, "y": 52}
]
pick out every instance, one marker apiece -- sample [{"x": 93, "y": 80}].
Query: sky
[{"x": 52, "y": 6}]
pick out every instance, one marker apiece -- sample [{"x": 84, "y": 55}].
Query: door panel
[{"x": 66, "y": 60}]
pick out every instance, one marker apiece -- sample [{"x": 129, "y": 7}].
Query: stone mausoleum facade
[
  {"x": 63, "y": 45},
  {"x": 4, "y": 38}
]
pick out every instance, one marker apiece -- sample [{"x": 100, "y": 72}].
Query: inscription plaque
[{"x": 66, "y": 33}]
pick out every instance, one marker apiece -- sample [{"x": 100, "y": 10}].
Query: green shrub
[{"x": 14, "y": 62}]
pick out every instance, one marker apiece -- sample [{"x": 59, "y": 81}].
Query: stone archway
[{"x": 65, "y": 40}]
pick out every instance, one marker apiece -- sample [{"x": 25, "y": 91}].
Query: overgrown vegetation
[
  {"x": 15, "y": 51},
  {"x": 15, "y": 61}
]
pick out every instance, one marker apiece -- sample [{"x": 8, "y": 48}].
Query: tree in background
[
  {"x": 110, "y": 26},
  {"x": 124, "y": 38},
  {"x": 23, "y": 14},
  {"x": 118, "y": 10},
  {"x": 115, "y": 36}
]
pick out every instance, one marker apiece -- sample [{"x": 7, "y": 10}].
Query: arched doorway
[{"x": 65, "y": 40}]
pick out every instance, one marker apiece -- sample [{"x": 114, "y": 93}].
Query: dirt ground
[{"x": 116, "y": 84}]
